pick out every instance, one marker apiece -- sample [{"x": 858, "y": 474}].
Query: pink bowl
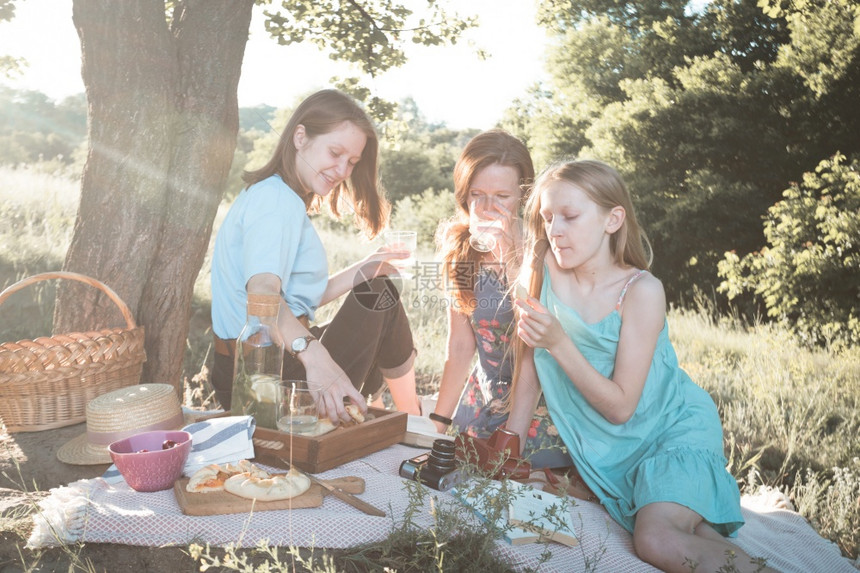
[{"x": 154, "y": 469}]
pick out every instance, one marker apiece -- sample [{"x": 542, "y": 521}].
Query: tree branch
[{"x": 372, "y": 21}]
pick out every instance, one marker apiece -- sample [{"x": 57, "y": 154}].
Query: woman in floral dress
[{"x": 490, "y": 177}]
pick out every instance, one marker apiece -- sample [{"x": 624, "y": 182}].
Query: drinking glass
[
  {"x": 298, "y": 412},
  {"x": 481, "y": 236},
  {"x": 402, "y": 241}
]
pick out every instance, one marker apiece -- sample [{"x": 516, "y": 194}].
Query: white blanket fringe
[{"x": 61, "y": 517}]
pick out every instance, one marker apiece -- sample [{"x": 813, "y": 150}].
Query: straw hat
[{"x": 120, "y": 414}]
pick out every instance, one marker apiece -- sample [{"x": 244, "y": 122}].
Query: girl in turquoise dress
[
  {"x": 488, "y": 179},
  {"x": 593, "y": 337}
]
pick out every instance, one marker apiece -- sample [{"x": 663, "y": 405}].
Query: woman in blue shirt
[{"x": 267, "y": 244}]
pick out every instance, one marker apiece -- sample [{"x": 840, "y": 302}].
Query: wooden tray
[
  {"x": 344, "y": 444},
  {"x": 221, "y": 502}
]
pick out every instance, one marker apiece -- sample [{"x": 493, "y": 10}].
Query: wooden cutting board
[{"x": 222, "y": 502}]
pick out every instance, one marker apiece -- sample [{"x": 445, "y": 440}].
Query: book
[
  {"x": 421, "y": 432},
  {"x": 530, "y": 515},
  {"x": 545, "y": 514}
]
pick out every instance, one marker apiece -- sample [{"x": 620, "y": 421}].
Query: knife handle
[{"x": 349, "y": 484}]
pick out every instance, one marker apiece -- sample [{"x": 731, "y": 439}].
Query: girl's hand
[
  {"x": 536, "y": 326},
  {"x": 334, "y": 385}
]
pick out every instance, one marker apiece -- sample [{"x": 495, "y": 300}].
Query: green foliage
[
  {"x": 256, "y": 118},
  {"x": 33, "y": 127},
  {"x": 678, "y": 148},
  {"x": 256, "y": 142},
  {"x": 380, "y": 110},
  {"x": 423, "y": 213},
  {"x": 371, "y": 34},
  {"x": 7, "y": 10},
  {"x": 417, "y": 155},
  {"x": 809, "y": 274},
  {"x": 708, "y": 114},
  {"x": 412, "y": 168},
  {"x": 8, "y": 64}
]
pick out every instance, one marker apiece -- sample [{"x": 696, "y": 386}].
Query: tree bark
[{"x": 163, "y": 122}]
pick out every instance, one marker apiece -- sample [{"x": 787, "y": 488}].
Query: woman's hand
[
  {"x": 334, "y": 385},
  {"x": 536, "y": 326},
  {"x": 378, "y": 263},
  {"x": 373, "y": 265}
]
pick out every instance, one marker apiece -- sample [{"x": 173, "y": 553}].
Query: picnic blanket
[{"x": 95, "y": 511}]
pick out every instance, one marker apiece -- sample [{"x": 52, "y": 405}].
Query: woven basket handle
[{"x": 126, "y": 313}]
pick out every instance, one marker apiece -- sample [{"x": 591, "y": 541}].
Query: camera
[{"x": 436, "y": 469}]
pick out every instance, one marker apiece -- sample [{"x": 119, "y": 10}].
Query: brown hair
[
  {"x": 462, "y": 262},
  {"x": 321, "y": 113},
  {"x": 603, "y": 185}
]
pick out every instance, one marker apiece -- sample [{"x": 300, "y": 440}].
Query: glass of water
[
  {"x": 402, "y": 241},
  {"x": 298, "y": 412},
  {"x": 481, "y": 226}
]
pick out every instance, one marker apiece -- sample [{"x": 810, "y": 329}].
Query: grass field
[{"x": 790, "y": 414}]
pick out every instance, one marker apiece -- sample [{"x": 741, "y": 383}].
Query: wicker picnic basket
[{"x": 46, "y": 383}]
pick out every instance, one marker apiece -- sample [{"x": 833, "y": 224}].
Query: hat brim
[{"x": 79, "y": 452}]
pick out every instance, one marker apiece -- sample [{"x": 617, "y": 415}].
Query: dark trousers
[{"x": 369, "y": 338}]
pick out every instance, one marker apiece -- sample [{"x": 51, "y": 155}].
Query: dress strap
[{"x": 638, "y": 274}]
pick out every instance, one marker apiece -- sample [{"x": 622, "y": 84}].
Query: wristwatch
[{"x": 301, "y": 344}]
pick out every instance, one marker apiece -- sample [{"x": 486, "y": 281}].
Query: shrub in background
[
  {"x": 423, "y": 213},
  {"x": 809, "y": 275}
]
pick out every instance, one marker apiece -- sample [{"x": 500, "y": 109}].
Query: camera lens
[
  {"x": 441, "y": 456},
  {"x": 444, "y": 446}
]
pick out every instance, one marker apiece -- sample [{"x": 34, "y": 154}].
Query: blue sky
[{"x": 449, "y": 84}]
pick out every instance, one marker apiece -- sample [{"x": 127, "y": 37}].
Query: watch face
[{"x": 299, "y": 344}]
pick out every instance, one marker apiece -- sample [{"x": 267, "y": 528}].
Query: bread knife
[{"x": 339, "y": 493}]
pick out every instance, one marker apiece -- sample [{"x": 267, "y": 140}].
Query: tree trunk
[{"x": 163, "y": 122}]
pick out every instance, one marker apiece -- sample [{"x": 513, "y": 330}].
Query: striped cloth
[{"x": 213, "y": 441}]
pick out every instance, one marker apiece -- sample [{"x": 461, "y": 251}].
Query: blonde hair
[
  {"x": 628, "y": 245},
  {"x": 321, "y": 113},
  {"x": 461, "y": 261}
]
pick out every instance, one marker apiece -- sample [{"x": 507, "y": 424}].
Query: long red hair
[{"x": 461, "y": 261}]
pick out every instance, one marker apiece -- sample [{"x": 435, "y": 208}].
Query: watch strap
[{"x": 441, "y": 419}]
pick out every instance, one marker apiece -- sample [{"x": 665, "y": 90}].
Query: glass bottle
[{"x": 259, "y": 362}]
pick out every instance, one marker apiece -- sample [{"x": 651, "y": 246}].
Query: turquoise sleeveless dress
[{"x": 671, "y": 449}]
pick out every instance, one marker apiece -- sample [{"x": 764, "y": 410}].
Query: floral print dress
[{"x": 481, "y": 408}]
